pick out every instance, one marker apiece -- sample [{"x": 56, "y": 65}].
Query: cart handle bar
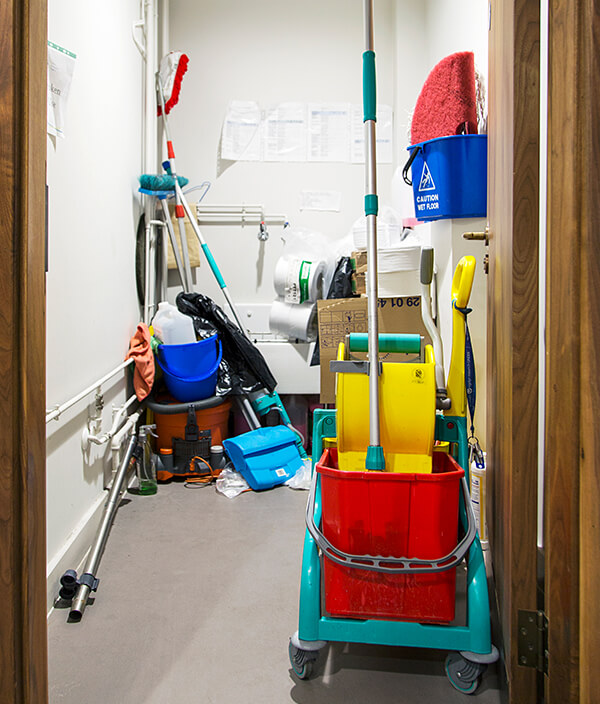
[
  {"x": 393, "y": 565},
  {"x": 388, "y": 342}
]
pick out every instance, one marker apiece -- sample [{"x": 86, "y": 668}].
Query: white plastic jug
[{"x": 172, "y": 327}]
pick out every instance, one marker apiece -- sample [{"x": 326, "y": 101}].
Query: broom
[{"x": 169, "y": 77}]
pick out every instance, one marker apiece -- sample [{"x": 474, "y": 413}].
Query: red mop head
[
  {"x": 172, "y": 69},
  {"x": 447, "y": 100}
]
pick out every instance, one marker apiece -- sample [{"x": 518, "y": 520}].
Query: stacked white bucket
[
  {"x": 299, "y": 285},
  {"x": 398, "y": 271}
]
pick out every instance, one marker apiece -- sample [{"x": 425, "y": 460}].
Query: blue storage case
[
  {"x": 449, "y": 177},
  {"x": 265, "y": 457}
]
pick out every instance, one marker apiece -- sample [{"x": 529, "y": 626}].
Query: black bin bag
[
  {"x": 340, "y": 287},
  {"x": 243, "y": 368}
]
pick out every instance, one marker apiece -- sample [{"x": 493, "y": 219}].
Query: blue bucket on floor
[
  {"x": 193, "y": 388},
  {"x": 449, "y": 177},
  {"x": 190, "y": 360},
  {"x": 265, "y": 457}
]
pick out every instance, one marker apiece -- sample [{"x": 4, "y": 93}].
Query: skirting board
[{"x": 74, "y": 550}]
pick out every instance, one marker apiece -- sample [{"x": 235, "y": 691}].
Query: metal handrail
[{"x": 57, "y": 411}]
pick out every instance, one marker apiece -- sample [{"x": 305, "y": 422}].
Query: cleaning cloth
[
  {"x": 140, "y": 351},
  {"x": 447, "y": 104}
]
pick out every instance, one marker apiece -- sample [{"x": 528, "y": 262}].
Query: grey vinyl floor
[{"x": 198, "y": 597}]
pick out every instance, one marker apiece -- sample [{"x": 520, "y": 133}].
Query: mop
[
  {"x": 172, "y": 68},
  {"x": 375, "y": 459}
]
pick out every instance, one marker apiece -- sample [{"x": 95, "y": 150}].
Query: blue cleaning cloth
[{"x": 164, "y": 182}]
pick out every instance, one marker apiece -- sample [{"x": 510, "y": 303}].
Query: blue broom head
[{"x": 164, "y": 182}]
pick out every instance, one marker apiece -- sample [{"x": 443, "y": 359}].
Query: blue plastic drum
[{"x": 449, "y": 177}]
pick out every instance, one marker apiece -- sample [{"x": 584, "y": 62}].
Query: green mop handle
[
  {"x": 375, "y": 459},
  {"x": 404, "y": 343}
]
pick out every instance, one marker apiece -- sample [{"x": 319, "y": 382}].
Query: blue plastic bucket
[
  {"x": 186, "y": 389},
  {"x": 265, "y": 457},
  {"x": 191, "y": 360},
  {"x": 449, "y": 177}
]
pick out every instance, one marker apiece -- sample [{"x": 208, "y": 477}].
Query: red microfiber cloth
[
  {"x": 141, "y": 351},
  {"x": 447, "y": 100}
]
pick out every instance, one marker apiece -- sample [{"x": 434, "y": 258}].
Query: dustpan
[{"x": 265, "y": 457}]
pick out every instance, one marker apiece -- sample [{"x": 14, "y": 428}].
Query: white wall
[
  {"x": 92, "y": 305},
  {"x": 271, "y": 51},
  {"x": 447, "y": 27},
  {"x": 469, "y": 22}
]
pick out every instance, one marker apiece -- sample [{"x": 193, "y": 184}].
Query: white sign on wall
[
  {"x": 61, "y": 63},
  {"x": 296, "y": 132}
]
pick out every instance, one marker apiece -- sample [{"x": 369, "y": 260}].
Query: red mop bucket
[{"x": 390, "y": 515}]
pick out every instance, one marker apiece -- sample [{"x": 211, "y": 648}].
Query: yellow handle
[
  {"x": 429, "y": 355},
  {"x": 462, "y": 283}
]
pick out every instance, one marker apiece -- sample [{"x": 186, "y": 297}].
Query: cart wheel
[
  {"x": 302, "y": 661},
  {"x": 464, "y": 675}
]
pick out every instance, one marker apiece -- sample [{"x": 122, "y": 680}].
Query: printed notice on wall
[
  {"x": 329, "y": 131},
  {"x": 240, "y": 137},
  {"x": 61, "y": 63},
  {"x": 284, "y": 133},
  {"x": 383, "y": 132},
  {"x": 321, "y": 200},
  {"x": 296, "y": 132}
]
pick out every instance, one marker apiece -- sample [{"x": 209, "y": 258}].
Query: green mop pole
[{"x": 375, "y": 459}]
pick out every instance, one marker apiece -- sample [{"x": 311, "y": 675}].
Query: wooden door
[
  {"x": 572, "y": 467},
  {"x": 23, "y": 661},
  {"x": 512, "y": 379}
]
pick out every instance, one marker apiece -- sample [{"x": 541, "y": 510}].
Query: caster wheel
[
  {"x": 464, "y": 675},
  {"x": 302, "y": 661}
]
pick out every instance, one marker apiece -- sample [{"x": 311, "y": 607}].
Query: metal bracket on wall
[{"x": 532, "y": 642}]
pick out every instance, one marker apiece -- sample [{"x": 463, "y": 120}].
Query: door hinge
[{"x": 532, "y": 641}]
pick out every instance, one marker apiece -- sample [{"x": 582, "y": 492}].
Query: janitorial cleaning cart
[{"x": 389, "y": 516}]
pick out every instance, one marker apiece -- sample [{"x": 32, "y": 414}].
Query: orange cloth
[{"x": 141, "y": 352}]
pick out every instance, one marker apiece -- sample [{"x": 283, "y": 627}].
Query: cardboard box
[
  {"x": 339, "y": 317},
  {"x": 360, "y": 261},
  {"x": 360, "y": 270},
  {"x": 190, "y": 236}
]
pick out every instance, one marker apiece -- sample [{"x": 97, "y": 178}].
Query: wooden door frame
[
  {"x": 572, "y": 444},
  {"x": 512, "y": 364},
  {"x": 23, "y": 635}
]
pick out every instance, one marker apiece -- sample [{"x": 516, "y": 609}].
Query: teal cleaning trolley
[{"x": 469, "y": 643}]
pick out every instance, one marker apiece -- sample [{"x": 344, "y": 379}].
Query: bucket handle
[
  {"x": 411, "y": 158},
  {"x": 392, "y": 565}
]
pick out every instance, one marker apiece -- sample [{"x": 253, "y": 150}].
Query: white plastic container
[
  {"x": 172, "y": 327},
  {"x": 478, "y": 501}
]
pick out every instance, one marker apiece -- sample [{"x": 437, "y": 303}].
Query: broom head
[{"x": 171, "y": 71}]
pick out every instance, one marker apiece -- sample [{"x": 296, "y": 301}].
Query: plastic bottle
[
  {"x": 172, "y": 327},
  {"x": 217, "y": 457},
  {"x": 478, "y": 499},
  {"x": 146, "y": 463}
]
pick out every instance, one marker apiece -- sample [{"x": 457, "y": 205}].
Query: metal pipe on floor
[{"x": 88, "y": 581}]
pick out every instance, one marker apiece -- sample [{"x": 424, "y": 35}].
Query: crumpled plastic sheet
[
  {"x": 303, "y": 477},
  {"x": 231, "y": 483}
]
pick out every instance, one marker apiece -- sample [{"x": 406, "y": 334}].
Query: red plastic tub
[{"x": 390, "y": 515}]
